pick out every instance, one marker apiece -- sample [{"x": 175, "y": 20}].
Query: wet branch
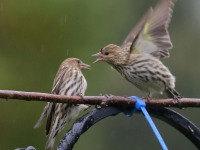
[{"x": 95, "y": 100}]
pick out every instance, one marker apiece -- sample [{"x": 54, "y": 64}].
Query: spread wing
[{"x": 150, "y": 35}]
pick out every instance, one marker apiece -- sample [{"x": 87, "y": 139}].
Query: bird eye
[{"x": 106, "y": 53}]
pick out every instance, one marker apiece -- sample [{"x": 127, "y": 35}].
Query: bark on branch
[{"x": 95, "y": 100}]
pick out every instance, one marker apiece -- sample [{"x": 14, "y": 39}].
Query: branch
[{"x": 96, "y": 100}]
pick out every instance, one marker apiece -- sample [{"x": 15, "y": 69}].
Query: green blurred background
[{"x": 37, "y": 35}]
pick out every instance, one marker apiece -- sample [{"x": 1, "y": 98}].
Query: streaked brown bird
[
  {"x": 69, "y": 81},
  {"x": 138, "y": 58}
]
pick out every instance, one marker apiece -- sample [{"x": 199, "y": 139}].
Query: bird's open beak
[
  {"x": 85, "y": 66},
  {"x": 100, "y": 58}
]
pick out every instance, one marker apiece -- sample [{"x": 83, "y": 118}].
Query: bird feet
[{"x": 177, "y": 100}]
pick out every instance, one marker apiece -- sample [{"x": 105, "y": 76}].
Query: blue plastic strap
[{"x": 140, "y": 105}]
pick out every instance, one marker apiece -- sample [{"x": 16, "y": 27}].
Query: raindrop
[
  {"x": 65, "y": 19},
  {"x": 42, "y": 48}
]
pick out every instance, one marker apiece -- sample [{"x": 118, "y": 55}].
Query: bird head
[
  {"x": 111, "y": 54},
  {"x": 75, "y": 63}
]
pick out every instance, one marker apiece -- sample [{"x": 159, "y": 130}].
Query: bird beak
[
  {"x": 100, "y": 57},
  {"x": 85, "y": 66}
]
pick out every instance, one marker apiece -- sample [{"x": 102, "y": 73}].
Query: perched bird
[
  {"x": 69, "y": 81},
  {"x": 138, "y": 58}
]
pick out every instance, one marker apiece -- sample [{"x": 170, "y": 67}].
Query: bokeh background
[{"x": 37, "y": 35}]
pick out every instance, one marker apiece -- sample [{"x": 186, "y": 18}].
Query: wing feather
[
  {"x": 151, "y": 33},
  {"x": 55, "y": 90}
]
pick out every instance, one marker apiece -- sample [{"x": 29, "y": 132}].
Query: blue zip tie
[{"x": 140, "y": 105}]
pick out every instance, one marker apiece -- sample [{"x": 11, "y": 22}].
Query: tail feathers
[
  {"x": 42, "y": 116},
  {"x": 50, "y": 115},
  {"x": 50, "y": 143},
  {"x": 39, "y": 122},
  {"x": 172, "y": 93},
  {"x": 58, "y": 125},
  {"x": 61, "y": 120}
]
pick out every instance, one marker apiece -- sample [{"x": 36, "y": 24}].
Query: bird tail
[
  {"x": 51, "y": 140},
  {"x": 42, "y": 116},
  {"x": 172, "y": 93},
  {"x": 61, "y": 120},
  {"x": 58, "y": 124}
]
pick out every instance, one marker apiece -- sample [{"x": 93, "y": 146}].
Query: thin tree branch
[{"x": 96, "y": 100}]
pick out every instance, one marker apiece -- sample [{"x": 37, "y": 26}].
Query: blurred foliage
[{"x": 37, "y": 35}]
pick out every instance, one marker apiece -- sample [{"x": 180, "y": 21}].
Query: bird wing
[
  {"x": 55, "y": 90},
  {"x": 150, "y": 35},
  {"x": 58, "y": 80}
]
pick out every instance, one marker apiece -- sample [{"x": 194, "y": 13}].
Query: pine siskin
[
  {"x": 138, "y": 59},
  {"x": 69, "y": 81}
]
